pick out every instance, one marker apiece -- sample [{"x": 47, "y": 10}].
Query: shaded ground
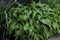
[{"x": 55, "y": 38}]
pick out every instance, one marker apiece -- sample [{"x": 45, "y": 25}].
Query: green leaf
[
  {"x": 55, "y": 25},
  {"x": 46, "y": 21},
  {"x": 13, "y": 26},
  {"x": 26, "y": 26}
]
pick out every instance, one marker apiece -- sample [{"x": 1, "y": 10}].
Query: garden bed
[{"x": 35, "y": 21}]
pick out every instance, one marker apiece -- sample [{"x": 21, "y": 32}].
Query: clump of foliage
[
  {"x": 53, "y": 3},
  {"x": 5, "y": 5},
  {"x": 35, "y": 21}
]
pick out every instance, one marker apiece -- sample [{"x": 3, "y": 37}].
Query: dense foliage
[{"x": 36, "y": 21}]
